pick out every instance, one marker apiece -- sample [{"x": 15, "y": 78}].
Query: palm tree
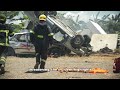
[{"x": 114, "y": 24}]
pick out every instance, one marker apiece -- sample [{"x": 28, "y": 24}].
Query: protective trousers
[
  {"x": 40, "y": 60},
  {"x": 41, "y": 56}
]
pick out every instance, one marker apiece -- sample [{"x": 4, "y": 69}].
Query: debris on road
[{"x": 84, "y": 70}]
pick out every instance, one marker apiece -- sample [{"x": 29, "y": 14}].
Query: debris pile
[{"x": 105, "y": 50}]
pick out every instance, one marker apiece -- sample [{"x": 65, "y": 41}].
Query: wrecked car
[
  {"x": 20, "y": 43},
  {"x": 66, "y": 39}
]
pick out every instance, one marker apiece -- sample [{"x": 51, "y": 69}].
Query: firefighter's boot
[
  {"x": 42, "y": 66},
  {"x": 36, "y": 65},
  {"x": 37, "y": 61}
]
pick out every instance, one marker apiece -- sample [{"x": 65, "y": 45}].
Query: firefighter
[
  {"x": 37, "y": 13},
  {"x": 42, "y": 39},
  {"x": 5, "y": 32}
]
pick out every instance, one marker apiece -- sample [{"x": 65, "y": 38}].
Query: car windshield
[{"x": 20, "y": 38}]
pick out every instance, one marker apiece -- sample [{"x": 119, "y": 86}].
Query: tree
[
  {"x": 112, "y": 25},
  {"x": 10, "y": 15}
]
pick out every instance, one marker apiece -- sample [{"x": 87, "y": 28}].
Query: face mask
[{"x": 42, "y": 23}]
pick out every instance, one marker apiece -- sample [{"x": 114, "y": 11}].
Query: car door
[
  {"x": 30, "y": 47},
  {"x": 21, "y": 43},
  {"x": 21, "y": 46}
]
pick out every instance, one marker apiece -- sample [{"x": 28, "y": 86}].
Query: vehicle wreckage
[{"x": 66, "y": 39}]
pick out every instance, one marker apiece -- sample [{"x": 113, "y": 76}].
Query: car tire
[
  {"x": 77, "y": 41},
  {"x": 56, "y": 52}
]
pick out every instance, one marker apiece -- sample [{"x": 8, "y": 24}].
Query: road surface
[{"x": 17, "y": 67}]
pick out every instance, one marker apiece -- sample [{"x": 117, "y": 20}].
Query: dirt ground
[{"x": 17, "y": 67}]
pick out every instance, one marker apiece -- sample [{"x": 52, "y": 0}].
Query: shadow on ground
[
  {"x": 36, "y": 72},
  {"x": 25, "y": 56}
]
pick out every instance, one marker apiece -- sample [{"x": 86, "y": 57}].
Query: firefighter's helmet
[
  {"x": 42, "y": 17},
  {"x": 2, "y": 18}
]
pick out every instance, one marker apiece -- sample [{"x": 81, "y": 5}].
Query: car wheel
[
  {"x": 77, "y": 41},
  {"x": 56, "y": 52}
]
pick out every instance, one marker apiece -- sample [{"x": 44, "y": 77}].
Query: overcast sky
[
  {"x": 93, "y": 12},
  {"x": 83, "y": 15},
  {"x": 86, "y": 15}
]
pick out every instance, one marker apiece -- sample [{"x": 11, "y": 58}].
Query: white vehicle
[
  {"x": 20, "y": 44},
  {"x": 65, "y": 35},
  {"x": 66, "y": 39}
]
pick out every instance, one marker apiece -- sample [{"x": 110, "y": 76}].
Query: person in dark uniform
[
  {"x": 5, "y": 32},
  {"x": 42, "y": 37}
]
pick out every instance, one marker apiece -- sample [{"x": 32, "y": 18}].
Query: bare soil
[{"x": 17, "y": 67}]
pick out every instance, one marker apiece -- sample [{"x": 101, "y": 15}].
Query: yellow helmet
[{"x": 42, "y": 17}]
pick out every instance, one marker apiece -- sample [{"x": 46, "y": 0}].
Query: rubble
[{"x": 105, "y": 50}]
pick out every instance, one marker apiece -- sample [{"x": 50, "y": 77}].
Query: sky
[
  {"x": 83, "y": 15},
  {"x": 86, "y": 15},
  {"x": 92, "y": 12}
]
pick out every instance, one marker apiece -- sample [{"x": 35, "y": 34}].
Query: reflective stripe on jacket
[
  {"x": 4, "y": 37},
  {"x": 41, "y": 36}
]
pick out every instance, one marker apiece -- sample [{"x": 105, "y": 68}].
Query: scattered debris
[
  {"x": 106, "y": 50},
  {"x": 84, "y": 70}
]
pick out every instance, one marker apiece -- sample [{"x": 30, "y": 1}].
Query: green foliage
[
  {"x": 17, "y": 28},
  {"x": 9, "y": 14},
  {"x": 112, "y": 25},
  {"x": 25, "y": 17}
]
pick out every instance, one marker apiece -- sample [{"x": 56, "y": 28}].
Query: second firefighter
[{"x": 41, "y": 39}]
